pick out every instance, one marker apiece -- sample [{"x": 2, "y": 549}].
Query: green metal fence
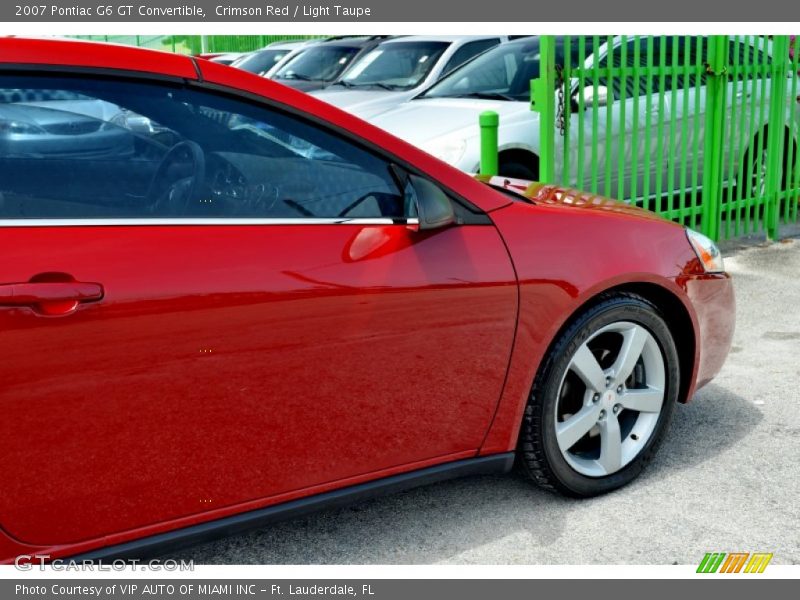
[
  {"x": 194, "y": 44},
  {"x": 702, "y": 130}
]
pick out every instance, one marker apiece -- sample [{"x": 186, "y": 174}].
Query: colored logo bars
[{"x": 733, "y": 562}]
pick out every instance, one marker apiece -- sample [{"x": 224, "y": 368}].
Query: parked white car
[
  {"x": 399, "y": 69},
  {"x": 443, "y": 120},
  {"x": 321, "y": 65},
  {"x": 263, "y": 61},
  {"x": 227, "y": 58}
]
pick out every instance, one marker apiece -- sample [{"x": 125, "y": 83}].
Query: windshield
[
  {"x": 320, "y": 63},
  {"x": 396, "y": 65},
  {"x": 260, "y": 62},
  {"x": 503, "y": 73}
]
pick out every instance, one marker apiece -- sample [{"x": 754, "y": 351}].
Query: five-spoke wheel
[
  {"x": 603, "y": 398},
  {"x": 610, "y": 399}
]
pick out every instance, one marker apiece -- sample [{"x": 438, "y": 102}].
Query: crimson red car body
[{"x": 384, "y": 350}]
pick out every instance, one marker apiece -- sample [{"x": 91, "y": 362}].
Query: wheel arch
[
  {"x": 503, "y": 433},
  {"x": 680, "y": 325},
  {"x": 675, "y": 313},
  {"x": 519, "y": 155},
  {"x": 791, "y": 135}
]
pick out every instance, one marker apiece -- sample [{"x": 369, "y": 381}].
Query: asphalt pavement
[{"x": 726, "y": 479}]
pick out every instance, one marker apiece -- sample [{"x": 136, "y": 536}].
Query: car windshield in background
[
  {"x": 260, "y": 62},
  {"x": 321, "y": 63},
  {"x": 395, "y": 65},
  {"x": 502, "y": 73}
]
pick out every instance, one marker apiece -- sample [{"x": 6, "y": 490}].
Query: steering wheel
[{"x": 170, "y": 193}]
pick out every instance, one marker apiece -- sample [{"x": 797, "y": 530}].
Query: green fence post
[
  {"x": 489, "y": 122},
  {"x": 543, "y": 101},
  {"x": 777, "y": 114},
  {"x": 713, "y": 152}
]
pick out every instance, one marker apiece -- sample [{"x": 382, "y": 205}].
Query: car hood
[
  {"x": 555, "y": 195},
  {"x": 365, "y": 104},
  {"x": 303, "y": 85},
  {"x": 421, "y": 120},
  {"x": 65, "y": 110},
  {"x": 344, "y": 98},
  {"x": 56, "y": 114}
]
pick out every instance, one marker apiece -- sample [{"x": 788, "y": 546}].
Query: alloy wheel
[{"x": 610, "y": 398}]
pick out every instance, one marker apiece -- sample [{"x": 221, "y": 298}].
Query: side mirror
[
  {"x": 591, "y": 100},
  {"x": 434, "y": 209}
]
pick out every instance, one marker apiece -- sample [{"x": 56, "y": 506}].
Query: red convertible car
[{"x": 223, "y": 302}]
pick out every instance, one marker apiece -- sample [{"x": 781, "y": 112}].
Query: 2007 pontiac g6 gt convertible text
[{"x": 223, "y": 302}]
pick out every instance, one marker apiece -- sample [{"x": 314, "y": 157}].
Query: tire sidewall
[
  {"x": 517, "y": 170},
  {"x": 625, "y": 309}
]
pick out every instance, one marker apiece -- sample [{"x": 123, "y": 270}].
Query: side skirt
[{"x": 204, "y": 532}]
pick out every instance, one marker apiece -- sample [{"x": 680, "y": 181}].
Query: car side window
[
  {"x": 626, "y": 56},
  {"x": 467, "y": 52},
  {"x": 78, "y": 148},
  {"x": 602, "y": 77},
  {"x": 656, "y": 53},
  {"x": 748, "y": 58},
  {"x": 683, "y": 52}
]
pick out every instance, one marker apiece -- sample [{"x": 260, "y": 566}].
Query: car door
[
  {"x": 209, "y": 304},
  {"x": 686, "y": 97}
]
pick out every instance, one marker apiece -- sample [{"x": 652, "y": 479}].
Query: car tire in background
[
  {"x": 754, "y": 168},
  {"x": 582, "y": 434},
  {"x": 517, "y": 170}
]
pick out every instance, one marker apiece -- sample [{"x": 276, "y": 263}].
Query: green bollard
[{"x": 489, "y": 122}]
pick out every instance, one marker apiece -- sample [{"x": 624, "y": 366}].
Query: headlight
[
  {"x": 707, "y": 251},
  {"x": 450, "y": 151},
  {"x": 19, "y": 127}
]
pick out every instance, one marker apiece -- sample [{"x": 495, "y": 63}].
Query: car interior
[{"x": 133, "y": 150}]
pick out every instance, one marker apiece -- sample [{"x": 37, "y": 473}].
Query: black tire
[
  {"x": 517, "y": 170},
  {"x": 539, "y": 455},
  {"x": 751, "y": 178}
]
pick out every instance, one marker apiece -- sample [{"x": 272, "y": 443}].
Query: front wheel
[{"x": 602, "y": 400}]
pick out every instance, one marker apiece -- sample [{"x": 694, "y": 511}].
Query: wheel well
[
  {"x": 679, "y": 323},
  {"x": 789, "y": 141},
  {"x": 520, "y": 156},
  {"x": 675, "y": 314},
  {"x": 762, "y": 135}
]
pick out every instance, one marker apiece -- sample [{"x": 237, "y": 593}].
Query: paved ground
[{"x": 727, "y": 478}]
